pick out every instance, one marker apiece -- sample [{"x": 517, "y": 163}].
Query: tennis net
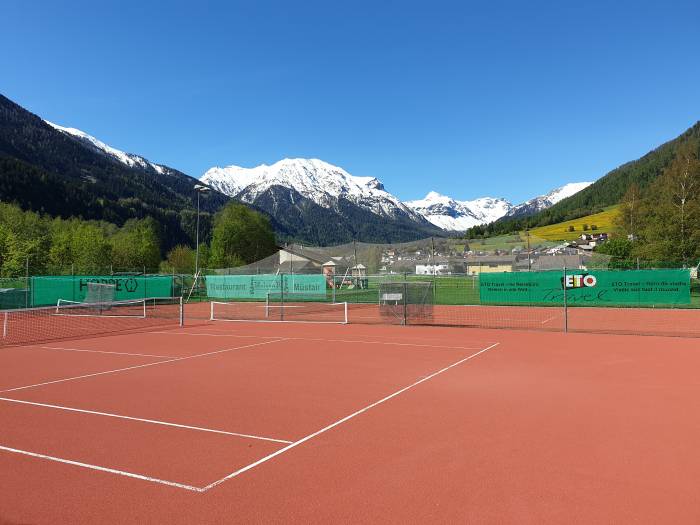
[
  {"x": 289, "y": 312},
  {"x": 69, "y": 320},
  {"x": 132, "y": 308}
]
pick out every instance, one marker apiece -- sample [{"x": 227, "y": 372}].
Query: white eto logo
[{"x": 580, "y": 281}]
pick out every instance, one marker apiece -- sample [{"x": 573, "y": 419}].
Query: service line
[
  {"x": 146, "y": 365},
  {"x": 143, "y": 420}
]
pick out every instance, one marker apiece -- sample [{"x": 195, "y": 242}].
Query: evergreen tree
[
  {"x": 630, "y": 208},
  {"x": 670, "y": 215}
]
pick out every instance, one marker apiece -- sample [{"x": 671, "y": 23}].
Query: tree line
[{"x": 43, "y": 245}]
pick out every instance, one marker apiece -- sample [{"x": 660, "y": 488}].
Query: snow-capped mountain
[
  {"x": 543, "y": 202},
  {"x": 453, "y": 215},
  {"x": 276, "y": 187},
  {"x": 297, "y": 191},
  {"x": 129, "y": 159},
  {"x": 321, "y": 182}
]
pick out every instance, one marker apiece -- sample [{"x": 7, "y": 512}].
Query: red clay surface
[{"x": 541, "y": 428}]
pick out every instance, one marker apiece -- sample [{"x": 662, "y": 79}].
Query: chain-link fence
[
  {"x": 644, "y": 301},
  {"x": 530, "y": 290}
]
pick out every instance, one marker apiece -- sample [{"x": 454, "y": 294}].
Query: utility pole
[
  {"x": 199, "y": 188},
  {"x": 529, "y": 259}
]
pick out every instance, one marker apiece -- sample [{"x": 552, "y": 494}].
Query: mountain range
[
  {"x": 63, "y": 171},
  {"x": 290, "y": 183},
  {"x": 608, "y": 190}
]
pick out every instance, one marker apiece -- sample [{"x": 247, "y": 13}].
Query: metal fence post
[
  {"x": 26, "y": 284},
  {"x": 405, "y": 309},
  {"x": 566, "y": 306}
]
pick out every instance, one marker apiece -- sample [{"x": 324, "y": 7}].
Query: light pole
[{"x": 199, "y": 188}]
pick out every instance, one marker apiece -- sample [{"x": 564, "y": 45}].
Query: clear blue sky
[{"x": 466, "y": 98}]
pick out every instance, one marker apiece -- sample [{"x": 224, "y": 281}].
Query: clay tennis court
[{"x": 218, "y": 422}]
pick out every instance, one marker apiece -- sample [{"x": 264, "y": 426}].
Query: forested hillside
[
  {"x": 44, "y": 170},
  {"x": 606, "y": 191}
]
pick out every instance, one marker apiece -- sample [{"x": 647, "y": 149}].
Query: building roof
[
  {"x": 490, "y": 259},
  {"x": 307, "y": 253},
  {"x": 557, "y": 262},
  {"x": 298, "y": 267}
]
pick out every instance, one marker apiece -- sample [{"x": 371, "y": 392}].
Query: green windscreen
[
  {"x": 587, "y": 288},
  {"x": 47, "y": 290},
  {"x": 259, "y": 286}
]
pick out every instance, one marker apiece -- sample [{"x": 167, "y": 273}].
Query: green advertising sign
[
  {"x": 259, "y": 286},
  {"x": 46, "y": 291},
  {"x": 587, "y": 288}
]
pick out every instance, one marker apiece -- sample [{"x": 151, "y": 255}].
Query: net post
[
  {"x": 4, "y": 326},
  {"x": 145, "y": 308},
  {"x": 181, "y": 312},
  {"x": 346, "y": 312},
  {"x": 267, "y": 305},
  {"x": 282, "y": 297},
  {"x": 566, "y": 306},
  {"x": 26, "y": 288},
  {"x": 211, "y": 310}
]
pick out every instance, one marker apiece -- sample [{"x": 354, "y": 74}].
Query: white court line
[
  {"x": 142, "y": 420},
  {"x": 102, "y": 469},
  {"x": 549, "y": 319},
  {"x": 137, "y": 366},
  {"x": 343, "y": 420},
  {"x": 100, "y": 352},
  {"x": 319, "y": 339},
  {"x": 381, "y": 343},
  {"x": 222, "y": 334}
]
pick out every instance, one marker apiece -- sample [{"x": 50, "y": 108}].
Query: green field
[
  {"x": 560, "y": 231},
  {"x": 447, "y": 289},
  {"x": 501, "y": 242}
]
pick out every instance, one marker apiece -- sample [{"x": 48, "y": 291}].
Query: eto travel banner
[
  {"x": 259, "y": 286},
  {"x": 588, "y": 288}
]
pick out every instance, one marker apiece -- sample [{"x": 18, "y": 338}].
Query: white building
[{"x": 432, "y": 269}]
